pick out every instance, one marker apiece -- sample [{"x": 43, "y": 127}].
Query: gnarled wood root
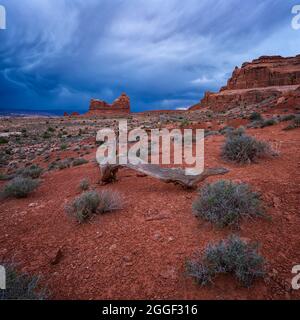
[{"x": 167, "y": 175}]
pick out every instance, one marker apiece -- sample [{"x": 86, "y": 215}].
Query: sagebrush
[
  {"x": 241, "y": 148},
  {"x": 225, "y": 203},
  {"x": 255, "y": 116},
  {"x": 93, "y": 202},
  {"x": 232, "y": 256},
  {"x": 84, "y": 184},
  {"x": 22, "y": 286},
  {"x": 79, "y": 162},
  {"x": 33, "y": 171},
  {"x": 19, "y": 187}
]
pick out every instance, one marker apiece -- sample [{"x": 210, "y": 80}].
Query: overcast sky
[{"x": 58, "y": 54}]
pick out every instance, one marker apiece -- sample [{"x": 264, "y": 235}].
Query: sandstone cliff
[
  {"x": 120, "y": 106},
  {"x": 261, "y": 79}
]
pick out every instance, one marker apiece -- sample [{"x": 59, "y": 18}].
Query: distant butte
[
  {"x": 269, "y": 77},
  {"x": 120, "y": 106}
]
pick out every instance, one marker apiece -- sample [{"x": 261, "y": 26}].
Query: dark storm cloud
[{"x": 164, "y": 54}]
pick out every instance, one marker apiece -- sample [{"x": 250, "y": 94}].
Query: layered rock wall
[{"x": 261, "y": 79}]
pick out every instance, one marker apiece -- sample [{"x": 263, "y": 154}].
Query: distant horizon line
[{"x": 55, "y": 112}]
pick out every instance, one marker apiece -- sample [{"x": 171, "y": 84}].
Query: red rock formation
[
  {"x": 289, "y": 100},
  {"x": 119, "y": 106},
  {"x": 266, "y": 72},
  {"x": 73, "y": 114},
  {"x": 263, "y": 78}
]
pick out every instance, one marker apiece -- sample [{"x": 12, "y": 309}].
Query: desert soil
[{"x": 139, "y": 252}]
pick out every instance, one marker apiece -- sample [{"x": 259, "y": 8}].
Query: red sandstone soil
[{"x": 139, "y": 252}]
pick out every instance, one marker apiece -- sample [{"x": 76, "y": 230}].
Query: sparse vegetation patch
[
  {"x": 93, "y": 202},
  {"x": 232, "y": 256},
  {"x": 241, "y": 148},
  {"x": 225, "y": 203},
  {"x": 19, "y": 187},
  {"x": 33, "y": 171},
  {"x": 3, "y": 140},
  {"x": 21, "y": 286},
  {"x": 255, "y": 116},
  {"x": 84, "y": 184},
  {"x": 79, "y": 162}
]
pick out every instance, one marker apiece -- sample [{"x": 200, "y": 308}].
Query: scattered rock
[
  {"x": 113, "y": 247},
  {"x": 57, "y": 257}
]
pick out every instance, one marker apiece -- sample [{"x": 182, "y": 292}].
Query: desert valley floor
[{"x": 139, "y": 252}]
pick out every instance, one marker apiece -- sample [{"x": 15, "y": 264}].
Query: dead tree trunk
[{"x": 167, "y": 175}]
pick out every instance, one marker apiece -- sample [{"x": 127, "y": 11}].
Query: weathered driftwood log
[{"x": 168, "y": 175}]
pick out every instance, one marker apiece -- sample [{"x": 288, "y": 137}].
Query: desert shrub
[
  {"x": 46, "y": 135},
  {"x": 232, "y": 256},
  {"x": 84, "y": 206},
  {"x": 294, "y": 125},
  {"x": 60, "y": 164},
  {"x": 225, "y": 130},
  {"x": 225, "y": 203},
  {"x": 92, "y": 202},
  {"x": 184, "y": 123},
  {"x": 231, "y": 133},
  {"x": 64, "y": 147},
  {"x": 255, "y": 124},
  {"x": 3, "y": 140},
  {"x": 208, "y": 133},
  {"x": 19, "y": 187},
  {"x": 255, "y": 116},
  {"x": 64, "y": 164},
  {"x": 76, "y": 149},
  {"x": 5, "y": 177},
  {"x": 24, "y": 133},
  {"x": 244, "y": 149},
  {"x": 296, "y": 121},
  {"x": 84, "y": 184},
  {"x": 268, "y": 123},
  {"x": 289, "y": 127},
  {"x": 288, "y": 117},
  {"x": 52, "y": 165},
  {"x": 79, "y": 162},
  {"x": 21, "y": 286},
  {"x": 109, "y": 201},
  {"x": 34, "y": 171}
]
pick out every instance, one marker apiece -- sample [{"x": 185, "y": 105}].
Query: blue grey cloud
[{"x": 57, "y": 54}]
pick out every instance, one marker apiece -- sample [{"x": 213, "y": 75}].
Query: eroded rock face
[
  {"x": 261, "y": 79},
  {"x": 120, "y": 106},
  {"x": 289, "y": 100},
  {"x": 264, "y": 72}
]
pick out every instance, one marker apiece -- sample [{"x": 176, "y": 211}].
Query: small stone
[
  {"x": 57, "y": 258},
  {"x": 113, "y": 247},
  {"x": 127, "y": 258},
  {"x": 31, "y": 205},
  {"x": 157, "y": 236}
]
